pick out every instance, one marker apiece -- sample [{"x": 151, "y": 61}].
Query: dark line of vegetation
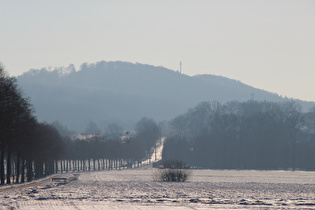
[{"x": 248, "y": 135}]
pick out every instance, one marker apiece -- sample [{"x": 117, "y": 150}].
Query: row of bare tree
[{"x": 100, "y": 152}]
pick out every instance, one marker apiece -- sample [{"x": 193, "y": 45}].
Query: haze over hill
[{"x": 124, "y": 92}]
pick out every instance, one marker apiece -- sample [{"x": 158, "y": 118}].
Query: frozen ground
[{"x": 136, "y": 189}]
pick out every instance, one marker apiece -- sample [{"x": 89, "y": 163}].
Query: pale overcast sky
[{"x": 268, "y": 44}]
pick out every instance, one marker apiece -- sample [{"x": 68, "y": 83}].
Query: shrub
[{"x": 173, "y": 171}]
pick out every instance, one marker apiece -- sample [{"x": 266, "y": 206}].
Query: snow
[{"x": 136, "y": 189}]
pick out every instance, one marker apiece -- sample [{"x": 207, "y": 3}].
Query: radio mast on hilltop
[{"x": 180, "y": 67}]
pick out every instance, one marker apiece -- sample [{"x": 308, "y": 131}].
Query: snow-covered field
[{"x": 136, "y": 189}]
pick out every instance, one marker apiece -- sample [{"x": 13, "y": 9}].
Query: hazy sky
[{"x": 268, "y": 44}]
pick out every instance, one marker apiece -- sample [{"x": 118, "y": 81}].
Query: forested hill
[{"x": 107, "y": 92}]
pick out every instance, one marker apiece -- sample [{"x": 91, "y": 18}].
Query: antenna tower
[{"x": 180, "y": 67}]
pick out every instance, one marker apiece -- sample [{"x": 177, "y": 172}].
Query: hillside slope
[{"x": 124, "y": 92}]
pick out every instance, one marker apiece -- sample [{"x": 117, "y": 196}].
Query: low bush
[
  {"x": 173, "y": 171},
  {"x": 173, "y": 175}
]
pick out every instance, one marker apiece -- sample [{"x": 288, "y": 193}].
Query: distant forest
[{"x": 247, "y": 135}]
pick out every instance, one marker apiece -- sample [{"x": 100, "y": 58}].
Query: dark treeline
[
  {"x": 28, "y": 149},
  {"x": 248, "y": 135}
]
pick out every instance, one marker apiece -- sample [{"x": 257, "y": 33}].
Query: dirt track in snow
[{"x": 136, "y": 189}]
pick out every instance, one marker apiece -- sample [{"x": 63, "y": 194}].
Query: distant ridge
[{"x": 124, "y": 92}]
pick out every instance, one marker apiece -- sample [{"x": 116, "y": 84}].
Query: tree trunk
[
  {"x": 2, "y": 176},
  {"x": 37, "y": 170},
  {"x": 17, "y": 169},
  {"x": 9, "y": 167},
  {"x": 61, "y": 168},
  {"x": 56, "y": 166},
  {"x": 23, "y": 171},
  {"x": 47, "y": 168},
  {"x": 12, "y": 171},
  {"x": 29, "y": 165},
  {"x": 52, "y": 165}
]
